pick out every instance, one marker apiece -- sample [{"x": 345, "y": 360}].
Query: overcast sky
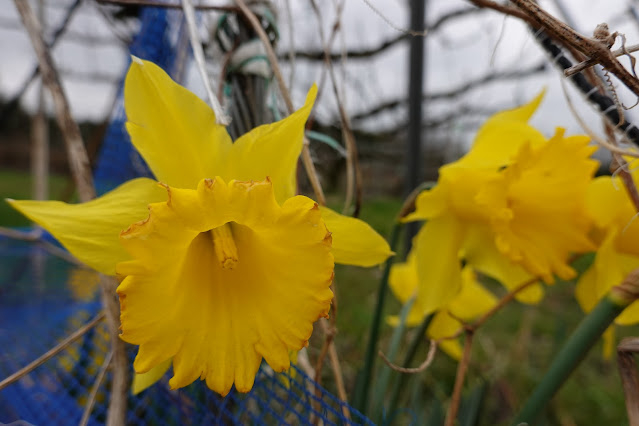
[{"x": 464, "y": 49}]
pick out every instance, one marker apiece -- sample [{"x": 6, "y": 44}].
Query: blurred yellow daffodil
[
  {"x": 513, "y": 208},
  {"x": 617, "y": 232},
  {"x": 221, "y": 264},
  {"x": 470, "y": 302}
]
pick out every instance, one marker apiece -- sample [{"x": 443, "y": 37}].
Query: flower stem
[
  {"x": 577, "y": 346},
  {"x": 360, "y": 399}
]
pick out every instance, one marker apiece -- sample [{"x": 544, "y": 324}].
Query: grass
[
  {"x": 510, "y": 353},
  {"x": 17, "y": 185}
]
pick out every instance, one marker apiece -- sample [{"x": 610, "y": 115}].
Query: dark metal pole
[{"x": 415, "y": 89}]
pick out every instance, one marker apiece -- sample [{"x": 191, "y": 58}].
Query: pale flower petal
[
  {"x": 90, "y": 230},
  {"x": 173, "y": 129},
  {"x": 354, "y": 241}
]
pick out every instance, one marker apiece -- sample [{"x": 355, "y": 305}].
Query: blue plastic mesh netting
[
  {"x": 43, "y": 298},
  {"x": 36, "y": 317}
]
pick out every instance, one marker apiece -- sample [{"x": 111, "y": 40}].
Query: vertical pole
[
  {"x": 415, "y": 89},
  {"x": 40, "y": 138},
  {"x": 39, "y": 163}
]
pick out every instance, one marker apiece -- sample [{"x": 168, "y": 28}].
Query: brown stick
[
  {"x": 329, "y": 347},
  {"x": 629, "y": 377},
  {"x": 272, "y": 58},
  {"x": 432, "y": 350},
  {"x": 353, "y": 172},
  {"x": 78, "y": 159},
  {"x": 591, "y": 62},
  {"x": 462, "y": 368},
  {"x": 40, "y": 140},
  {"x": 116, "y": 416},
  {"x": 502, "y": 302},
  {"x": 505, "y": 9},
  {"x": 52, "y": 352},
  {"x": 590, "y": 47},
  {"x": 94, "y": 390}
]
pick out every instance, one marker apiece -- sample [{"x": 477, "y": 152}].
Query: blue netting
[
  {"x": 43, "y": 299},
  {"x": 36, "y": 314},
  {"x": 118, "y": 159}
]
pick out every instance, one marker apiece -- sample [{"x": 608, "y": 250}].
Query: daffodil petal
[
  {"x": 272, "y": 150},
  {"x": 145, "y": 380},
  {"x": 429, "y": 204},
  {"x": 443, "y": 325},
  {"x": 173, "y": 129},
  {"x": 217, "y": 322},
  {"x": 609, "y": 269},
  {"x": 403, "y": 283},
  {"x": 610, "y": 207},
  {"x": 473, "y": 300},
  {"x": 480, "y": 252},
  {"x": 90, "y": 230},
  {"x": 503, "y": 134},
  {"x": 354, "y": 241},
  {"x": 609, "y": 341},
  {"x": 607, "y": 201},
  {"x": 586, "y": 289},
  {"x": 438, "y": 265},
  {"x": 541, "y": 218}
]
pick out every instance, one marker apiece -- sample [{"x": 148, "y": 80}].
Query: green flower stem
[
  {"x": 577, "y": 346},
  {"x": 360, "y": 399},
  {"x": 384, "y": 374}
]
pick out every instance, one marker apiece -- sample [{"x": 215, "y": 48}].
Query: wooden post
[
  {"x": 40, "y": 140},
  {"x": 39, "y": 166}
]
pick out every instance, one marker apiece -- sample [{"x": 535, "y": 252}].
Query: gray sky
[{"x": 464, "y": 49}]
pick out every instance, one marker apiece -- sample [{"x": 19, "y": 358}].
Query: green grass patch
[{"x": 18, "y": 185}]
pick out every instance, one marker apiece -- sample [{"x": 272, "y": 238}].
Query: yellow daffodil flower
[
  {"x": 221, "y": 264},
  {"x": 617, "y": 231},
  {"x": 472, "y": 301},
  {"x": 513, "y": 208}
]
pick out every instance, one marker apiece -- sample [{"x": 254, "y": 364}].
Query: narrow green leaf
[
  {"x": 320, "y": 137},
  {"x": 381, "y": 385}
]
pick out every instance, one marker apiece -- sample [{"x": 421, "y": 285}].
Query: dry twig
[
  {"x": 510, "y": 296},
  {"x": 198, "y": 54},
  {"x": 612, "y": 147},
  {"x": 432, "y": 350},
  {"x": 590, "y": 47},
  {"x": 94, "y": 389},
  {"x": 270, "y": 53},
  {"x": 393, "y": 25},
  {"x": 353, "y": 173},
  {"x": 591, "y": 62},
  {"x": 78, "y": 158},
  {"x": 52, "y": 352},
  {"x": 462, "y": 368}
]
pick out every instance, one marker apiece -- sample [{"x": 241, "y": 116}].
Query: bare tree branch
[
  {"x": 57, "y": 34},
  {"x": 318, "y": 55},
  {"x": 452, "y": 93}
]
